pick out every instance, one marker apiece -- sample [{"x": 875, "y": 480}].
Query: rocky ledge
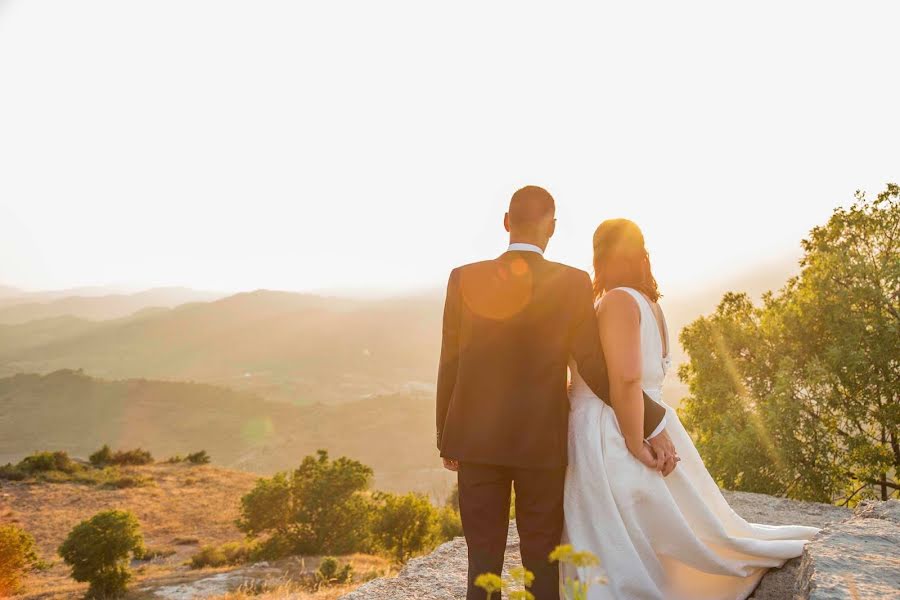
[{"x": 857, "y": 556}]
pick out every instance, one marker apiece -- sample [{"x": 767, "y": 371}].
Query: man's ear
[
  {"x": 506, "y": 221},
  {"x": 552, "y": 229}
]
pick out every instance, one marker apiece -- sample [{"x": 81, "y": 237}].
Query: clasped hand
[{"x": 659, "y": 454}]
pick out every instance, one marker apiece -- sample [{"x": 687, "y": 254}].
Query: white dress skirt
[{"x": 672, "y": 538}]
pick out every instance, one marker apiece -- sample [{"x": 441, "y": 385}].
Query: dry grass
[
  {"x": 185, "y": 507},
  {"x": 289, "y": 591},
  {"x": 183, "y": 503}
]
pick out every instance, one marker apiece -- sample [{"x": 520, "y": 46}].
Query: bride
[{"x": 658, "y": 537}]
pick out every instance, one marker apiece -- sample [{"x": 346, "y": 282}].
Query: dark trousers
[{"x": 484, "y": 496}]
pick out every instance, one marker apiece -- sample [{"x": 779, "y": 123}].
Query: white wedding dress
[{"x": 659, "y": 538}]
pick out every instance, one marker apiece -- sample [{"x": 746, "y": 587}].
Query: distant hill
[
  {"x": 68, "y": 410},
  {"x": 17, "y": 308},
  {"x": 295, "y": 347}
]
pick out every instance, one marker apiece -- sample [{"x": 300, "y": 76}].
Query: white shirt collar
[{"x": 519, "y": 247}]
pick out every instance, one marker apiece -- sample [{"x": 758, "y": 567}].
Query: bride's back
[{"x": 654, "y": 355}]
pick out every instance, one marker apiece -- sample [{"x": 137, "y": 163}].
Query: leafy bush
[
  {"x": 231, "y": 553},
  {"x": 453, "y": 498},
  {"x": 101, "y": 457},
  {"x": 319, "y": 508},
  {"x": 57, "y": 467},
  {"x": 137, "y": 456},
  {"x": 403, "y": 525},
  {"x": 43, "y": 462},
  {"x": 105, "y": 456},
  {"x": 330, "y": 572},
  {"x": 449, "y": 525},
  {"x": 11, "y": 472},
  {"x": 199, "y": 458},
  {"x": 99, "y": 549},
  {"x": 17, "y": 557}
]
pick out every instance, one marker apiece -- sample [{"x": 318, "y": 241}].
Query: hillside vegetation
[{"x": 71, "y": 411}]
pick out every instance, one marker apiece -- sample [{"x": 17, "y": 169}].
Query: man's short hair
[{"x": 529, "y": 205}]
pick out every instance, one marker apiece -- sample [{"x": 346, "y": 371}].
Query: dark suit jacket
[{"x": 510, "y": 326}]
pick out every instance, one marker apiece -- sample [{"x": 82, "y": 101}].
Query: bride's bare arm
[{"x": 619, "y": 321}]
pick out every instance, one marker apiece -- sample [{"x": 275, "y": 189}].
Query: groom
[{"x": 511, "y": 325}]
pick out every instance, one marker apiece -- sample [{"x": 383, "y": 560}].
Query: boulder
[
  {"x": 858, "y": 558},
  {"x": 441, "y": 575}
]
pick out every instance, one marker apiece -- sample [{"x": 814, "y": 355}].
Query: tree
[
  {"x": 319, "y": 508},
  {"x": 801, "y": 396},
  {"x": 99, "y": 551},
  {"x": 17, "y": 556},
  {"x": 404, "y": 525}
]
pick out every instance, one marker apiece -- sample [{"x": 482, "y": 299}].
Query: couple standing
[{"x": 599, "y": 462}]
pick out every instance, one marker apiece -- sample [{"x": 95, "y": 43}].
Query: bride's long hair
[{"x": 622, "y": 260}]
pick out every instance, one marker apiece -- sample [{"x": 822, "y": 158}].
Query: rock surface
[
  {"x": 441, "y": 575},
  {"x": 856, "y": 558}
]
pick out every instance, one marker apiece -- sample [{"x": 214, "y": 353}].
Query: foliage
[
  {"x": 404, "y": 525},
  {"x": 584, "y": 564},
  {"x": 319, "y": 508},
  {"x": 453, "y": 498},
  {"x": 330, "y": 572},
  {"x": 57, "y": 467},
  {"x": 228, "y": 554},
  {"x": 101, "y": 457},
  {"x": 18, "y": 555},
  {"x": 105, "y": 456},
  {"x": 42, "y": 462},
  {"x": 11, "y": 472},
  {"x": 801, "y": 396},
  {"x": 571, "y": 588},
  {"x": 516, "y": 586},
  {"x": 199, "y": 458},
  {"x": 98, "y": 550},
  {"x": 449, "y": 525}
]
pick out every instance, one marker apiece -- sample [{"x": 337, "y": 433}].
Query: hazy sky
[{"x": 306, "y": 145}]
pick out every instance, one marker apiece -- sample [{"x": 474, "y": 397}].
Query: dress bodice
[{"x": 654, "y": 363}]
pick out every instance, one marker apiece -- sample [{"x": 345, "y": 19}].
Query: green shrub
[
  {"x": 17, "y": 557},
  {"x": 320, "y": 508},
  {"x": 11, "y": 472},
  {"x": 105, "y": 456},
  {"x": 201, "y": 457},
  {"x": 449, "y": 525},
  {"x": 136, "y": 457},
  {"x": 453, "y": 498},
  {"x": 330, "y": 572},
  {"x": 230, "y": 553},
  {"x": 198, "y": 458},
  {"x": 101, "y": 457},
  {"x": 99, "y": 549},
  {"x": 404, "y": 525},
  {"x": 44, "y": 462}
]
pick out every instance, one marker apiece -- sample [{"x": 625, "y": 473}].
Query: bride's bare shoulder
[{"x": 617, "y": 303}]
